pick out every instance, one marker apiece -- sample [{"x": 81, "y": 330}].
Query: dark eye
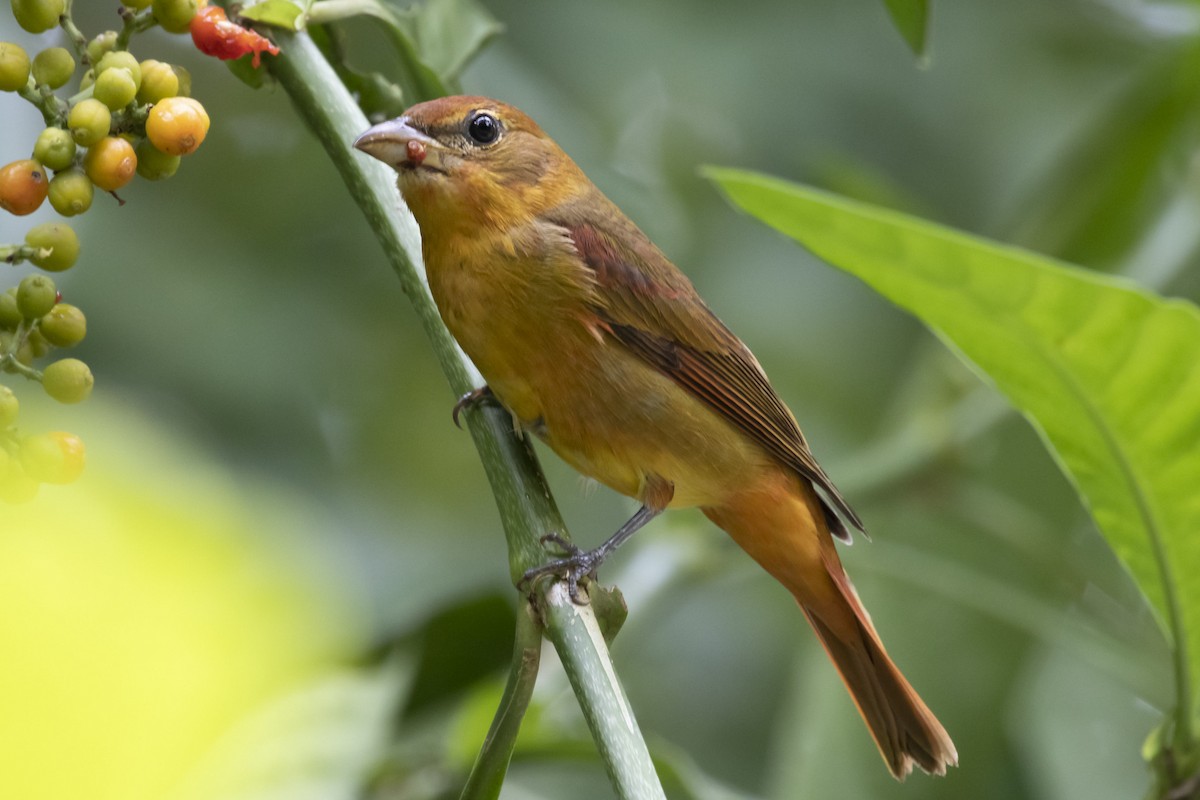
[{"x": 483, "y": 128}]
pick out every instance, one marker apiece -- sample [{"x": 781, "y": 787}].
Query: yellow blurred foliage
[{"x": 142, "y": 614}]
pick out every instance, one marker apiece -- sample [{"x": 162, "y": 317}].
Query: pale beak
[{"x": 401, "y": 146}]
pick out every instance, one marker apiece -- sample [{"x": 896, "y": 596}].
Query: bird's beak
[{"x": 400, "y": 145}]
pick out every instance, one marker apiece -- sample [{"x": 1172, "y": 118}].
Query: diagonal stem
[{"x": 527, "y": 509}]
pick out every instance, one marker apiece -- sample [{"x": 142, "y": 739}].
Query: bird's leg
[
  {"x": 470, "y": 400},
  {"x": 578, "y": 564}
]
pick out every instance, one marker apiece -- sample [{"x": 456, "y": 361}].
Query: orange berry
[
  {"x": 23, "y": 186},
  {"x": 110, "y": 163},
  {"x": 177, "y": 125}
]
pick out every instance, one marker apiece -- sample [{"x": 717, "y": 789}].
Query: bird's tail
[
  {"x": 904, "y": 728},
  {"x": 788, "y": 536}
]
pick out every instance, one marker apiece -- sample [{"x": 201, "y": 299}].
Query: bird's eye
[{"x": 483, "y": 128}]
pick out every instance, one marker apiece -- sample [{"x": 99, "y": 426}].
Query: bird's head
[{"x": 472, "y": 161}]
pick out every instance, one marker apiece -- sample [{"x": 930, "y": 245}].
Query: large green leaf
[
  {"x": 1109, "y": 374},
  {"x": 911, "y": 18}
]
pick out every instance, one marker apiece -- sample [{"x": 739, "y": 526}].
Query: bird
[{"x": 599, "y": 345}]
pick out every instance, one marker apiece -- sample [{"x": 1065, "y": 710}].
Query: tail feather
[
  {"x": 904, "y": 729},
  {"x": 782, "y": 527}
]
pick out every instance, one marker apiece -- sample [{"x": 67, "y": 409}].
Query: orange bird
[{"x": 600, "y": 346}]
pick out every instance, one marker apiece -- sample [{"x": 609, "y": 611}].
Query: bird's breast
[{"x": 530, "y": 326}]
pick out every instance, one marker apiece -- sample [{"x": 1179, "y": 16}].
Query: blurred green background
[{"x": 246, "y": 333}]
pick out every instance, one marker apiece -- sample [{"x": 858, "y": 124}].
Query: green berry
[
  {"x": 103, "y": 43},
  {"x": 71, "y": 192},
  {"x": 185, "y": 80},
  {"x": 153, "y": 164},
  {"x": 37, "y": 344},
  {"x": 68, "y": 380},
  {"x": 64, "y": 325},
  {"x": 89, "y": 121},
  {"x": 115, "y": 88},
  {"x": 14, "y": 67},
  {"x": 38, "y": 16},
  {"x": 36, "y": 295},
  {"x": 54, "y": 148},
  {"x": 174, "y": 15},
  {"x": 53, "y": 67},
  {"x": 8, "y": 408},
  {"x": 10, "y": 315},
  {"x": 120, "y": 59},
  {"x": 159, "y": 82},
  {"x": 60, "y": 240}
]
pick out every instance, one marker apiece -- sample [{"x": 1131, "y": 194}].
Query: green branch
[{"x": 527, "y": 509}]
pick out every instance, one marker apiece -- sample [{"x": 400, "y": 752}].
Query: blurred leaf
[
  {"x": 244, "y": 71},
  {"x": 462, "y": 645},
  {"x": 609, "y": 606},
  {"x": 280, "y": 13},
  {"x": 452, "y": 32},
  {"x": 319, "y": 741},
  {"x": 1110, "y": 184},
  {"x": 1109, "y": 374},
  {"x": 911, "y": 18}
]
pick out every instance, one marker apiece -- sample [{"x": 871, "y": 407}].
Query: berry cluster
[{"x": 119, "y": 116}]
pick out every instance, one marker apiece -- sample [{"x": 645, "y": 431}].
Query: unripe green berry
[
  {"x": 60, "y": 240},
  {"x": 54, "y": 148},
  {"x": 37, "y": 16},
  {"x": 8, "y": 407},
  {"x": 120, "y": 59},
  {"x": 159, "y": 81},
  {"x": 68, "y": 380},
  {"x": 10, "y": 315},
  {"x": 25, "y": 354},
  {"x": 14, "y": 67},
  {"x": 36, "y": 295},
  {"x": 115, "y": 88},
  {"x": 53, "y": 67},
  {"x": 89, "y": 121},
  {"x": 174, "y": 15},
  {"x": 64, "y": 325},
  {"x": 153, "y": 164},
  {"x": 103, "y": 43},
  {"x": 37, "y": 343},
  {"x": 71, "y": 192}
]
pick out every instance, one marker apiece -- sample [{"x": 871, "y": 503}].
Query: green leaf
[
  {"x": 1109, "y": 374},
  {"x": 279, "y": 13},
  {"x": 911, "y": 18},
  {"x": 322, "y": 739},
  {"x": 452, "y": 32},
  {"x": 1110, "y": 184},
  {"x": 244, "y": 71}
]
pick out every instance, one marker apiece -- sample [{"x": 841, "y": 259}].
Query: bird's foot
[
  {"x": 573, "y": 567},
  {"x": 470, "y": 400}
]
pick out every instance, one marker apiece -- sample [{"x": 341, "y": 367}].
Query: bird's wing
[{"x": 652, "y": 308}]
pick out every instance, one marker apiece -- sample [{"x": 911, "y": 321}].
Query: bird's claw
[
  {"x": 469, "y": 401},
  {"x": 572, "y": 568}
]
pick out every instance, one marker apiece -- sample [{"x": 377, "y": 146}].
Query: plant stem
[
  {"x": 527, "y": 509},
  {"x": 487, "y": 776}
]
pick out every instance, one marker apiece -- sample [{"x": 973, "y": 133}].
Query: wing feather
[{"x": 652, "y": 309}]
